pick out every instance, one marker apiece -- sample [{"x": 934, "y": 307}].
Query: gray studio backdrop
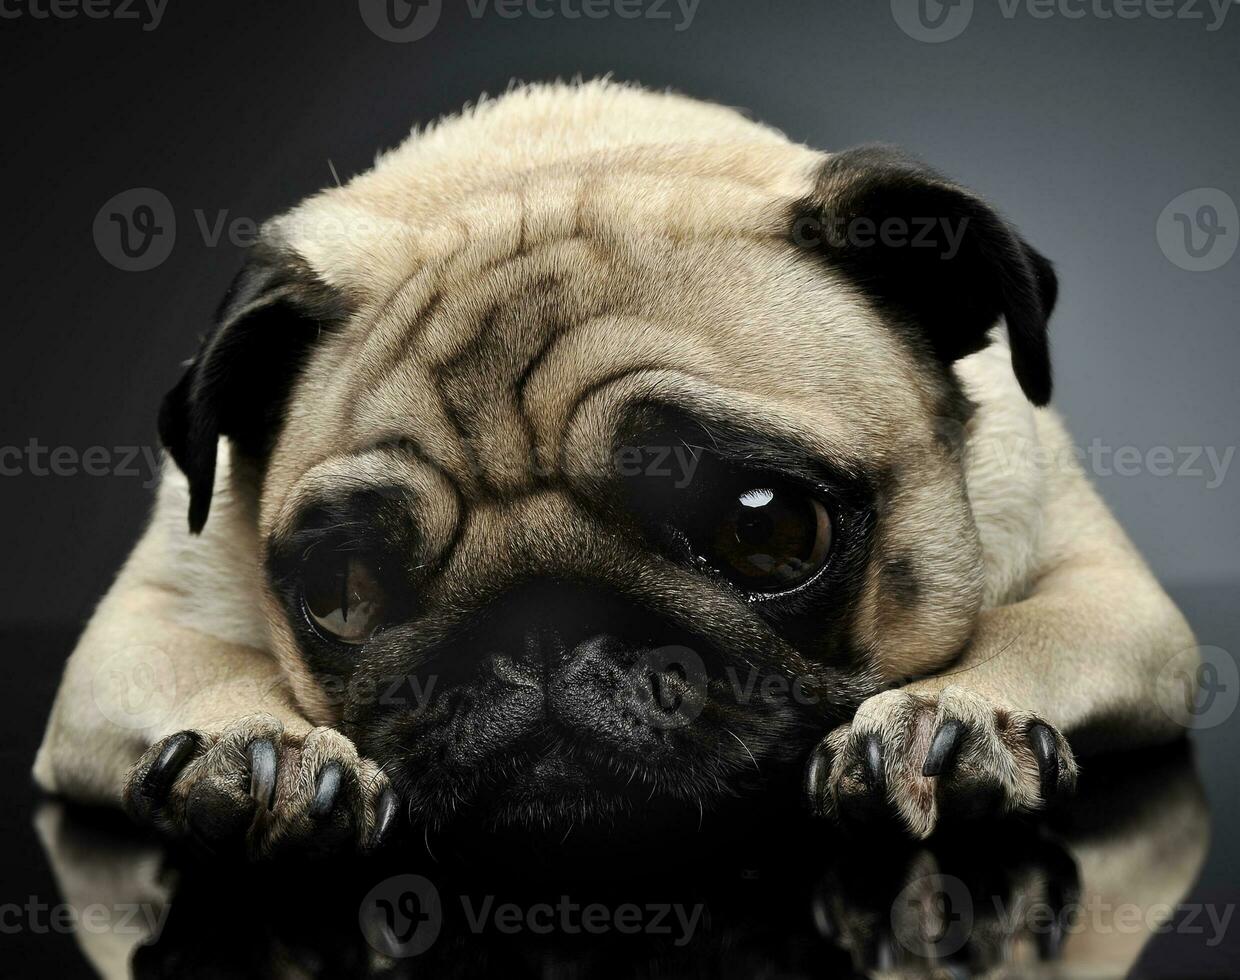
[{"x": 1106, "y": 129}]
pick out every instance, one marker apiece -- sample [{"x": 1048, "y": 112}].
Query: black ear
[
  {"x": 934, "y": 257},
  {"x": 239, "y": 381}
]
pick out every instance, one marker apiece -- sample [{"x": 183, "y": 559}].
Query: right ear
[
  {"x": 239, "y": 381},
  {"x": 943, "y": 294}
]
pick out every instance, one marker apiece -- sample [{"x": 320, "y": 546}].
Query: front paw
[
  {"x": 922, "y": 759},
  {"x": 255, "y": 789}
]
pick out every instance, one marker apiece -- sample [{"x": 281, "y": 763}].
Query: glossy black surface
[{"x": 1127, "y": 879}]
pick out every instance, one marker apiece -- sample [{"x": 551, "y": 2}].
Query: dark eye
[
  {"x": 770, "y": 539},
  {"x": 342, "y": 595}
]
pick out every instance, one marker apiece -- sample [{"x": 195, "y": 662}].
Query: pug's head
[{"x": 606, "y": 484}]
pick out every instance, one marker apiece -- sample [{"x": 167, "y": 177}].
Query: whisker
[{"x": 746, "y": 748}]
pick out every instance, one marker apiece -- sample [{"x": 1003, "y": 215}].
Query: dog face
[{"x": 574, "y": 503}]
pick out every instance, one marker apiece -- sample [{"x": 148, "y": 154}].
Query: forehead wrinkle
[
  {"x": 431, "y": 314},
  {"x": 387, "y": 337},
  {"x": 393, "y": 392},
  {"x": 429, "y": 497},
  {"x": 569, "y": 264},
  {"x": 673, "y": 311},
  {"x": 405, "y": 406},
  {"x": 600, "y": 409},
  {"x": 461, "y": 372},
  {"x": 368, "y": 467},
  {"x": 597, "y": 351},
  {"x": 410, "y": 308},
  {"x": 474, "y": 386}
]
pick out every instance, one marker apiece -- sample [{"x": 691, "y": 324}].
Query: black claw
[
  {"x": 263, "y": 762},
  {"x": 325, "y": 792},
  {"x": 872, "y": 760},
  {"x": 824, "y": 920},
  {"x": 176, "y": 752},
  {"x": 884, "y": 954},
  {"x": 943, "y": 747},
  {"x": 817, "y": 773},
  {"x": 1046, "y": 751},
  {"x": 385, "y": 818},
  {"x": 1050, "y": 940}
]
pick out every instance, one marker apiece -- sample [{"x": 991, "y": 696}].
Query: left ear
[
  {"x": 239, "y": 381},
  {"x": 937, "y": 259}
]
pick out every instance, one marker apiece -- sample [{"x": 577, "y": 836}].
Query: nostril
[
  {"x": 660, "y": 691},
  {"x": 668, "y": 687}
]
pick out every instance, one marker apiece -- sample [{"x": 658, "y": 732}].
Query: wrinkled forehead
[
  {"x": 503, "y": 375},
  {"x": 517, "y": 340},
  {"x": 371, "y": 236}
]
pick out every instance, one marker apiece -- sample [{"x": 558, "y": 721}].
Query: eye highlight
[
  {"x": 769, "y": 538},
  {"x": 342, "y": 595}
]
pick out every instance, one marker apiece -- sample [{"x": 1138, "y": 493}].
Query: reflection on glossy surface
[{"x": 1080, "y": 895}]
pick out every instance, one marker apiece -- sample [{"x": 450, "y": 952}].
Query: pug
[{"x": 600, "y": 458}]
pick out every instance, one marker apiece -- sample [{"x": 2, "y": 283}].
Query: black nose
[
  {"x": 609, "y": 671},
  {"x": 628, "y": 697}
]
